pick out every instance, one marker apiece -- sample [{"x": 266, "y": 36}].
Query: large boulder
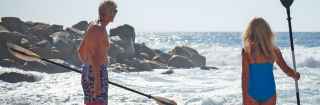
[
  {"x": 126, "y": 39},
  {"x": 142, "y": 51},
  {"x": 197, "y": 59},
  {"x": 14, "y": 24},
  {"x": 66, "y": 48},
  {"x": 179, "y": 61},
  {"x": 82, "y": 25}
]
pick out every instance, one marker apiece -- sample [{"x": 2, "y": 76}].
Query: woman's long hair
[{"x": 259, "y": 38}]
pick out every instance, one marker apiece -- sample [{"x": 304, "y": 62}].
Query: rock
[
  {"x": 76, "y": 34},
  {"x": 179, "y": 61},
  {"x": 66, "y": 48},
  {"x": 82, "y": 25},
  {"x": 127, "y": 37},
  {"x": 43, "y": 67},
  {"x": 170, "y": 71},
  {"x": 155, "y": 65},
  {"x": 42, "y": 30},
  {"x": 6, "y": 62},
  {"x": 207, "y": 67},
  {"x": 3, "y": 29},
  {"x": 197, "y": 59},
  {"x": 115, "y": 50},
  {"x": 60, "y": 37},
  {"x": 13, "y": 77},
  {"x": 14, "y": 24},
  {"x": 12, "y": 37},
  {"x": 161, "y": 57},
  {"x": 55, "y": 28},
  {"x": 117, "y": 67},
  {"x": 142, "y": 49},
  {"x": 29, "y": 23},
  {"x": 139, "y": 65},
  {"x": 46, "y": 50}
]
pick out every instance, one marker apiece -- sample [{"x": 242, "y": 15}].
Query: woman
[
  {"x": 258, "y": 55},
  {"x": 93, "y": 54}
]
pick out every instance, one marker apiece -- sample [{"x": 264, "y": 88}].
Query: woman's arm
[
  {"x": 284, "y": 66},
  {"x": 245, "y": 75}
]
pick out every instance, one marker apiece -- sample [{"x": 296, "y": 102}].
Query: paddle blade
[
  {"x": 22, "y": 53},
  {"x": 164, "y": 101},
  {"x": 286, "y": 3}
]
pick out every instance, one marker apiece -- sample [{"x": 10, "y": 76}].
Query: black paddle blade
[
  {"x": 22, "y": 53},
  {"x": 164, "y": 101},
  {"x": 286, "y": 3}
]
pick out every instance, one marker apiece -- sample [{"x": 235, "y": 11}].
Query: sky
[{"x": 171, "y": 15}]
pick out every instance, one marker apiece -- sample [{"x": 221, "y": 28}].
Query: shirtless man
[{"x": 93, "y": 53}]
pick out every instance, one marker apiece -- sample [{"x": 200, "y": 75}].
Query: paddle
[
  {"x": 287, "y": 4},
  {"x": 28, "y": 55}
]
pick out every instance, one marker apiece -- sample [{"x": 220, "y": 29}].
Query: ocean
[{"x": 185, "y": 86}]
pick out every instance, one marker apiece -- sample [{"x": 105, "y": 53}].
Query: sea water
[{"x": 185, "y": 86}]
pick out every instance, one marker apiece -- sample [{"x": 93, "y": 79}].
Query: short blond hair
[
  {"x": 106, "y": 7},
  {"x": 259, "y": 33}
]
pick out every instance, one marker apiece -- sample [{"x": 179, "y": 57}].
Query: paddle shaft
[
  {"x": 293, "y": 55},
  {"x": 112, "y": 83}
]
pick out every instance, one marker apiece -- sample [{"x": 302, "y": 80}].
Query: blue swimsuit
[
  {"x": 261, "y": 84},
  {"x": 87, "y": 80}
]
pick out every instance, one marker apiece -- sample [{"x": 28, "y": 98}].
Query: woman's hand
[{"x": 296, "y": 76}]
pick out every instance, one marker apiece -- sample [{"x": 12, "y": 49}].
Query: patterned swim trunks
[{"x": 87, "y": 82}]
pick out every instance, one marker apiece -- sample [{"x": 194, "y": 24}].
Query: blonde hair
[
  {"x": 106, "y": 7},
  {"x": 259, "y": 37}
]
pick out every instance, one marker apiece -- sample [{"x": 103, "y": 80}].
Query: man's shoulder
[{"x": 93, "y": 26}]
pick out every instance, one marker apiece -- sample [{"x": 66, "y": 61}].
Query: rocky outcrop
[
  {"x": 55, "y": 42},
  {"x": 49, "y": 41}
]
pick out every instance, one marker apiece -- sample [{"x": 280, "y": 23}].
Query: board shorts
[{"x": 87, "y": 82}]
